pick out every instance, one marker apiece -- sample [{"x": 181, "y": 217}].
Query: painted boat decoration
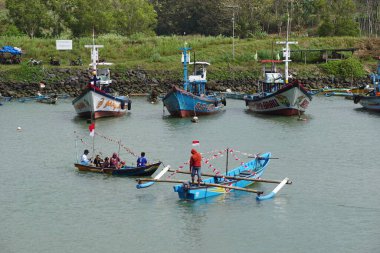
[
  {"x": 96, "y": 101},
  {"x": 236, "y": 179},
  {"x": 277, "y": 97},
  {"x": 371, "y": 101},
  {"x": 192, "y": 99},
  {"x": 123, "y": 171}
]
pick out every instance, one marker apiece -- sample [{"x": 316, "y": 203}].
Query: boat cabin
[
  {"x": 198, "y": 79},
  {"x": 272, "y": 79},
  {"x": 375, "y": 77}
]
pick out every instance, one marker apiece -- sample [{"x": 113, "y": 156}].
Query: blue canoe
[{"x": 252, "y": 169}]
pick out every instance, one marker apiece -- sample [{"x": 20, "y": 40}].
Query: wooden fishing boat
[
  {"x": 278, "y": 97},
  {"x": 123, "y": 171},
  {"x": 192, "y": 99},
  {"x": 95, "y": 101}
]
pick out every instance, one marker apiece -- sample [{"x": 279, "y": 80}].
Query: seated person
[
  {"x": 106, "y": 163},
  {"x": 114, "y": 161},
  {"x": 84, "y": 160},
  {"x": 141, "y": 161},
  {"x": 98, "y": 161}
]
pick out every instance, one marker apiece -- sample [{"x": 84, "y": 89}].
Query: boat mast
[
  {"x": 94, "y": 51},
  {"x": 227, "y": 160},
  {"x": 286, "y": 51},
  {"x": 184, "y": 55}
]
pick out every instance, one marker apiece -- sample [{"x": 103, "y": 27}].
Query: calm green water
[{"x": 332, "y": 159}]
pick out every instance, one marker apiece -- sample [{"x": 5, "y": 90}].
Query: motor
[
  {"x": 34, "y": 62},
  {"x": 54, "y": 62},
  {"x": 77, "y": 62}
]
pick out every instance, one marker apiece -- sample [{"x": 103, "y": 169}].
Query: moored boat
[
  {"x": 96, "y": 101},
  {"x": 371, "y": 100},
  {"x": 192, "y": 99},
  {"x": 278, "y": 97}
]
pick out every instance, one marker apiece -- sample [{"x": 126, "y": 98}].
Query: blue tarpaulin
[{"x": 11, "y": 50}]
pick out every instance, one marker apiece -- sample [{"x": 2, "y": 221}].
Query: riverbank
[{"x": 126, "y": 82}]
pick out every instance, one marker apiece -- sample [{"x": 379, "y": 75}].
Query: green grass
[{"x": 162, "y": 53}]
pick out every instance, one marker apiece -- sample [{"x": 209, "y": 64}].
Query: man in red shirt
[{"x": 195, "y": 165}]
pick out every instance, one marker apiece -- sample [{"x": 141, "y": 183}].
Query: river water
[{"x": 333, "y": 205}]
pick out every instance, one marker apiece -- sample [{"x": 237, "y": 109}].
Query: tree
[{"x": 29, "y": 16}]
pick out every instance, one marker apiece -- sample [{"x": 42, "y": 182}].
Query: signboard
[{"x": 64, "y": 44}]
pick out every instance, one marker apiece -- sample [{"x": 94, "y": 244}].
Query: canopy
[{"x": 11, "y": 50}]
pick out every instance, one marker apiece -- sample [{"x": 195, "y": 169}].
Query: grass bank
[{"x": 161, "y": 54}]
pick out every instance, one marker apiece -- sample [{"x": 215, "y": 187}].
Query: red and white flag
[
  {"x": 92, "y": 129},
  {"x": 195, "y": 143}
]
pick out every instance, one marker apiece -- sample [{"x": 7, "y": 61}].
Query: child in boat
[
  {"x": 106, "y": 163},
  {"x": 98, "y": 161},
  {"x": 141, "y": 161}
]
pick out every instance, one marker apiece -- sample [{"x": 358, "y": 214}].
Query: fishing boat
[
  {"x": 192, "y": 99},
  {"x": 371, "y": 101},
  {"x": 96, "y": 100},
  {"x": 236, "y": 179},
  {"x": 147, "y": 170},
  {"x": 278, "y": 96}
]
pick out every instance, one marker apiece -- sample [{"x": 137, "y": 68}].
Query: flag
[
  {"x": 92, "y": 129},
  {"x": 195, "y": 143}
]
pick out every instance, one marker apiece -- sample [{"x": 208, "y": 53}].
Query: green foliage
[
  {"x": 349, "y": 68},
  {"x": 25, "y": 73}
]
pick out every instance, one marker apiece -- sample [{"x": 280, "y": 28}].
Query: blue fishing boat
[
  {"x": 192, "y": 99},
  {"x": 371, "y": 101},
  {"x": 250, "y": 170}
]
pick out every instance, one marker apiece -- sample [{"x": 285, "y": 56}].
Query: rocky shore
[{"x": 129, "y": 82}]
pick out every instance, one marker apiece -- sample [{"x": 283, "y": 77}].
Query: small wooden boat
[
  {"x": 192, "y": 100},
  {"x": 124, "y": 171}
]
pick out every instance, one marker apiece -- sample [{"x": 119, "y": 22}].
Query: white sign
[{"x": 64, "y": 44}]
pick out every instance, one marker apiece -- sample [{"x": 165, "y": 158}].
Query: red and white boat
[
  {"x": 277, "y": 96},
  {"x": 95, "y": 101}
]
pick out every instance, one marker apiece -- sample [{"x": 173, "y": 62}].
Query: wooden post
[{"x": 227, "y": 161}]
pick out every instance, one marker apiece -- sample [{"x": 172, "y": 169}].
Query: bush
[{"x": 349, "y": 68}]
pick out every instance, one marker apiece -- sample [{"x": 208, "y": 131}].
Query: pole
[
  {"x": 233, "y": 7},
  {"x": 227, "y": 161}
]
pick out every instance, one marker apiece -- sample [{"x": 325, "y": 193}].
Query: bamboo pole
[
  {"x": 235, "y": 178},
  {"x": 201, "y": 184}
]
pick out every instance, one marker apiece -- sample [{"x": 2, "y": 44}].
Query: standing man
[
  {"x": 141, "y": 161},
  {"x": 195, "y": 165}
]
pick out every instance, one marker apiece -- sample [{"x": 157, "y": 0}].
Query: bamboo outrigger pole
[
  {"x": 201, "y": 184},
  {"x": 235, "y": 178}
]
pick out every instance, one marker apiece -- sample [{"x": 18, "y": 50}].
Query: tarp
[{"x": 11, "y": 50}]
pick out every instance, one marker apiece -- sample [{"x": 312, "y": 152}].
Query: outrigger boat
[
  {"x": 192, "y": 100},
  {"x": 123, "y": 171},
  {"x": 371, "y": 101},
  {"x": 96, "y": 101},
  {"x": 236, "y": 179}
]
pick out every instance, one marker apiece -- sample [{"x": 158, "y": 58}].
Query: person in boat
[
  {"x": 195, "y": 165},
  {"x": 141, "y": 161},
  {"x": 114, "y": 161},
  {"x": 106, "y": 163},
  {"x": 84, "y": 160},
  {"x": 98, "y": 161},
  {"x": 95, "y": 79}
]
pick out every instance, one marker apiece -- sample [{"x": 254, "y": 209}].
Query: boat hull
[
  {"x": 181, "y": 103},
  {"x": 252, "y": 169},
  {"x": 369, "y": 102},
  {"x": 100, "y": 104},
  {"x": 292, "y": 99},
  {"x": 125, "y": 171}
]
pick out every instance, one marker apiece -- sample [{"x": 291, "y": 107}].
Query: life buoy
[
  {"x": 122, "y": 105},
  {"x": 129, "y": 105},
  {"x": 224, "y": 102}
]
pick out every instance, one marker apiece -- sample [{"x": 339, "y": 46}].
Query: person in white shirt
[{"x": 84, "y": 159}]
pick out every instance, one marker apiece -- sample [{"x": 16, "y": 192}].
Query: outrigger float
[{"x": 234, "y": 180}]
